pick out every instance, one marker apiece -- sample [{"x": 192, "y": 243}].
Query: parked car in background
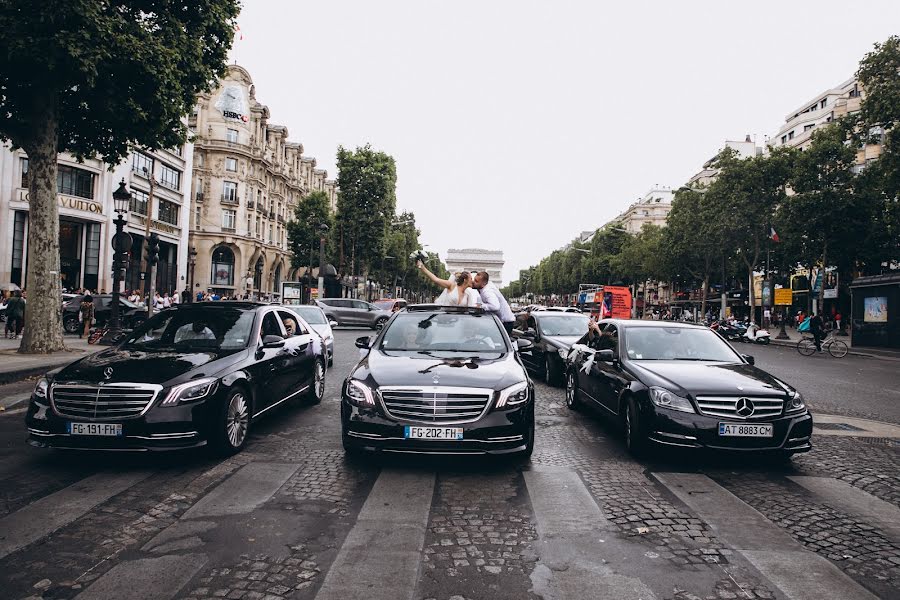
[
  {"x": 193, "y": 375},
  {"x": 680, "y": 385},
  {"x": 349, "y": 311},
  {"x": 439, "y": 380},
  {"x": 552, "y": 333},
  {"x": 315, "y": 317},
  {"x": 131, "y": 314},
  {"x": 391, "y": 304}
]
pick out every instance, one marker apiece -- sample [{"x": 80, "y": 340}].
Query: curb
[{"x": 793, "y": 344}]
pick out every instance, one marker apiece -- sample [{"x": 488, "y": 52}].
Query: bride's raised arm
[{"x": 441, "y": 282}]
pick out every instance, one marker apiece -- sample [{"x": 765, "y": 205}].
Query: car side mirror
[
  {"x": 750, "y": 360},
  {"x": 273, "y": 341},
  {"x": 332, "y": 323},
  {"x": 364, "y": 342},
  {"x": 524, "y": 345},
  {"x": 606, "y": 355},
  {"x": 530, "y": 332}
]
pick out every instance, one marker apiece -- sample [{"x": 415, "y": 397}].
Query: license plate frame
[
  {"x": 746, "y": 430},
  {"x": 431, "y": 433},
  {"x": 94, "y": 429}
]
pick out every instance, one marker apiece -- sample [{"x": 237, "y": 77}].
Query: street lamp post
[
  {"x": 323, "y": 231},
  {"x": 192, "y": 262},
  {"x": 121, "y": 244}
]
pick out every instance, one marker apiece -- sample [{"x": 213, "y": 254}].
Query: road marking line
[
  {"x": 244, "y": 491},
  {"x": 380, "y": 558},
  {"x": 569, "y": 524},
  {"x": 843, "y": 496},
  {"x": 800, "y": 574},
  {"x": 146, "y": 578},
  {"x": 42, "y": 517}
]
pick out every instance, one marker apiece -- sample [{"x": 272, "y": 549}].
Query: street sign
[{"x": 784, "y": 297}]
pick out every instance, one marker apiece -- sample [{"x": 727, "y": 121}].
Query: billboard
[
  {"x": 784, "y": 297},
  {"x": 875, "y": 309},
  {"x": 614, "y": 302}
]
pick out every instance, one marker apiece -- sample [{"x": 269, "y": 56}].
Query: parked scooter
[
  {"x": 729, "y": 331},
  {"x": 756, "y": 334}
]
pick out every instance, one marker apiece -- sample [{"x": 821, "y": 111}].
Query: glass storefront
[{"x": 79, "y": 252}]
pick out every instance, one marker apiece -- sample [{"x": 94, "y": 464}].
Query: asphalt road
[{"x": 291, "y": 517}]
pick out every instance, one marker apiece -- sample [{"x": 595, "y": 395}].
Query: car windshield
[
  {"x": 440, "y": 332},
  {"x": 200, "y": 328},
  {"x": 564, "y": 325},
  {"x": 311, "y": 314},
  {"x": 676, "y": 343}
]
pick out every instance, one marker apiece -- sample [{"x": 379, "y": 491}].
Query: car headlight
[
  {"x": 663, "y": 398},
  {"x": 513, "y": 395},
  {"x": 796, "y": 403},
  {"x": 360, "y": 394},
  {"x": 41, "y": 388},
  {"x": 191, "y": 390}
]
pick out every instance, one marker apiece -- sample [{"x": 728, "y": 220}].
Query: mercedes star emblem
[
  {"x": 107, "y": 372},
  {"x": 744, "y": 407}
]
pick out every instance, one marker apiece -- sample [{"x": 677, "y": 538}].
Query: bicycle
[{"x": 836, "y": 348}]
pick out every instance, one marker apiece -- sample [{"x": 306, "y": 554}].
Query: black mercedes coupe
[
  {"x": 439, "y": 380},
  {"x": 196, "y": 374},
  {"x": 680, "y": 385}
]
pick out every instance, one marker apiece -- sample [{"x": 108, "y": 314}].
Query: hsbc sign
[{"x": 233, "y": 115}]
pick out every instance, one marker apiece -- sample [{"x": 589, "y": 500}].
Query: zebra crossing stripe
[{"x": 381, "y": 556}]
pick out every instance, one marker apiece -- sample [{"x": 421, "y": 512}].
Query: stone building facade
[{"x": 247, "y": 180}]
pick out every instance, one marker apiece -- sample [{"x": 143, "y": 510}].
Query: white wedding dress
[{"x": 450, "y": 297}]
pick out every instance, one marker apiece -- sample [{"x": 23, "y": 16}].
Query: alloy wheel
[
  {"x": 237, "y": 420},
  {"x": 319, "y": 383},
  {"x": 570, "y": 390}
]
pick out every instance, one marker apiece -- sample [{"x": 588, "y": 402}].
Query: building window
[
  {"x": 168, "y": 212},
  {"x": 231, "y": 165},
  {"x": 140, "y": 163},
  {"x": 197, "y": 218},
  {"x": 823, "y": 102},
  {"x": 258, "y": 226},
  {"x": 808, "y": 127},
  {"x": 74, "y": 182},
  {"x": 229, "y": 218},
  {"x": 139, "y": 201},
  {"x": 231, "y": 135},
  {"x": 270, "y": 234},
  {"x": 199, "y": 159},
  {"x": 169, "y": 177},
  {"x": 223, "y": 266},
  {"x": 24, "y": 172},
  {"x": 17, "y": 273},
  {"x": 791, "y": 135},
  {"x": 229, "y": 192},
  {"x": 784, "y": 139}
]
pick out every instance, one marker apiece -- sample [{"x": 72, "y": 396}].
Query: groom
[{"x": 493, "y": 301}]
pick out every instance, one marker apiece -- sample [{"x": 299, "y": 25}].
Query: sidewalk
[
  {"x": 16, "y": 367},
  {"x": 794, "y": 336}
]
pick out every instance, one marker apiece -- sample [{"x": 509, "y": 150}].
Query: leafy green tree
[
  {"x": 303, "y": 232},
  {"x": 96, "y": 78},
  {"x": 366, "y": 205},
  {"x": 402, "y": 240}
]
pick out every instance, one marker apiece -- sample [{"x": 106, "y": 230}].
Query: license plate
[
  {"x": 433, "y": 433},
  {"x": 105, "y": 429},
  {"x": 744, "y": 430}
]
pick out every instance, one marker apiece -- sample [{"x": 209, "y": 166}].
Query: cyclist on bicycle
[{"x": 816, "y": 327}]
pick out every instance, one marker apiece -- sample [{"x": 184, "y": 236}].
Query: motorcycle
[
  {"x": 729, "y": 331},
  {"x": 756, "y": 334}
]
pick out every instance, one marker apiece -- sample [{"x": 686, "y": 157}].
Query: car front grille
[
  {"x": 728, "y": 406},
  {"x": 435, "y": 404},
  {"x": 102, "y": 402}
]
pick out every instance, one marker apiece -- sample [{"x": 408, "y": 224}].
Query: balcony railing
[
  {"x": 251, "y": 205},
  {"x": 199, "y": 197},
  {"x": 230, "y": 200},
  {"x": 271, "y": 214},
  {"x": 280, "y": 219}
]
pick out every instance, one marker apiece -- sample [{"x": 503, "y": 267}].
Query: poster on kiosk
[{"x": 613, "y": 302}]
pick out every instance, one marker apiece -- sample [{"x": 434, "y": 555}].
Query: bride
[{"x": 458, "y": 290}]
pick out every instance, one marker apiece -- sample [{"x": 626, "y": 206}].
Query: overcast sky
[{"x": 517, "y": 124}]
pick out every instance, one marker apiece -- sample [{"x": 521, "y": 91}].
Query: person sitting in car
[{"x": 194, "y": 331}]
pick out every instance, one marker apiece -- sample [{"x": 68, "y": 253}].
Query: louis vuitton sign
[{"x": 71, "y": 202}]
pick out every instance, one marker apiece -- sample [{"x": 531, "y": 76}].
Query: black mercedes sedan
[
  {"x": 194, "y": 375},
  {"x": 439, "y": 380},
  {"x": 552, "y": 333},
  {"x": 680, "y": 385}
]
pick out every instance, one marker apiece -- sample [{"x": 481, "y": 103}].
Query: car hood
[
  {"x": 562, "y": 341},
  {"x": 138, "y": 366},
  {"x": 322, "y": 329},
  {"x": 402, "y": 368},
  {"x": 703, "y": 378}
]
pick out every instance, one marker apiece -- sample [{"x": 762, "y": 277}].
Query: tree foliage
[
  {"x": 303, "y": 232},
  {"x": 96, "y": 78}
]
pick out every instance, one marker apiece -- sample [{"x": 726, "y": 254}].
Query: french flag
[{"x": 773, "y": 235}]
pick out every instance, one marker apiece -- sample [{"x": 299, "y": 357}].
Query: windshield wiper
[{"x": 695, "y": 359}]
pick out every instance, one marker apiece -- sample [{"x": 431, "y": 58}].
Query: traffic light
[{"x": 153, "y": 249}]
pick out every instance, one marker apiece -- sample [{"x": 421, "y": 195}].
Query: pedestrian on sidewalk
[
  {"x": 15, "y": 315},
  {"x": 816, "y": 327},
  {"x": 837, "y": 321},
  {"x": 86, "y": 315}
]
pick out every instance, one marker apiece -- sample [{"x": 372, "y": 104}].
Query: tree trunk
[
  {"x": 703, "y": 295},
  {"x": 43, "y": 310},
  {"x": 820, "y": 301}
]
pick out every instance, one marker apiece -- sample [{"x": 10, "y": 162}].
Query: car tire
[
  {"x": 573, "y": 402},
  {"x": 635, "y": 440},
  {"x": 71, "y": 324},
  {"x": 551, "y": 370},
  {"x": 379, "y": 324},
  {"x": 232, "y": 427},
  {"x": 317, "y": 387}
]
